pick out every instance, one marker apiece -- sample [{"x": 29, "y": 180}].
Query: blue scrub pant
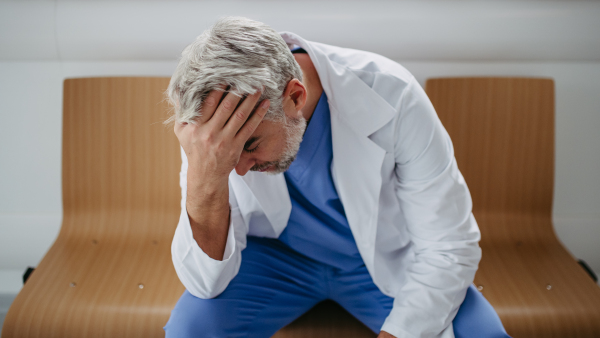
[{"x": 276, "y": 285}]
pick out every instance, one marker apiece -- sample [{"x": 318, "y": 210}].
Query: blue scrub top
[{"x": 318, "y": 227}]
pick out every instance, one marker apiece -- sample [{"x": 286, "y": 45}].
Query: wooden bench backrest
[
  {"x": 109, "y": 272},
  {"x": 118, "y": 155},
  {"x": 503, "y": 135}
]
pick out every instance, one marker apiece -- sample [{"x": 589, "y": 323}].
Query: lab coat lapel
[
  {"x": 356, "y": 170},
  {"x": 357, "y": 161}
]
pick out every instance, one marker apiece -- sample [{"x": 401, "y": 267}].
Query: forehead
[
  {"x": 269, "y": 128},
  {"x": 269, "y": 133}
]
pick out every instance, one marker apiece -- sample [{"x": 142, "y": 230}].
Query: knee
[
  {"x": 477, "y": 318},
  {"x": 196, "y": 317}
]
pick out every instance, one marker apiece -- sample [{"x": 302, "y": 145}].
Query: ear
[{"x": 294, "y": 97}]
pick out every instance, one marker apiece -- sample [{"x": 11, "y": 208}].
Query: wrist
[
  {"x": 207, "y": 195},
  {"x": 206, "y": 183}
]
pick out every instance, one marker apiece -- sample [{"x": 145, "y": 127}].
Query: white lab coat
[{"x": 393, "y": 166}]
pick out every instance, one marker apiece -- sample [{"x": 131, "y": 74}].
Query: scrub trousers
[{"x": 275, "y": 285}]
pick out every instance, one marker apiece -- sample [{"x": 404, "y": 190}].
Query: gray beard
[{"x": 294, "y": 131}]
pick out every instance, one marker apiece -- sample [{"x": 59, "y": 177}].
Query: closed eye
[
  {"x": 251, "y": 150},
  {"x": 248, "y": 147}
]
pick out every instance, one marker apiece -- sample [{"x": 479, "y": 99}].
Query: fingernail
[{"x": 265, "y": 104}]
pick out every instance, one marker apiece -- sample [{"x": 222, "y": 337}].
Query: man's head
[{"x": 247, "y": 56}]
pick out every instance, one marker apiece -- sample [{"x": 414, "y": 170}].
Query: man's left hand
[{"x": 384, "y": 334}]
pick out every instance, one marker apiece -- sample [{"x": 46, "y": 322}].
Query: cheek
[
  {"x": 270, "y": 153},
  {"x": 273, "y": 141},
  {"x": 274, "y": 150}
]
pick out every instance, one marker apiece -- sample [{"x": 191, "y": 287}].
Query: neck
[{"x": 312, "y": 83}]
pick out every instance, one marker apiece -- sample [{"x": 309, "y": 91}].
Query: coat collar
[{"x": 338, "y": 80}]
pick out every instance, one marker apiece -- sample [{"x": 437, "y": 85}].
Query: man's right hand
[{"x": 213, "y": 146}]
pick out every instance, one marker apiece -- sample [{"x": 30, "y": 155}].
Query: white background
[{"x": 44, "y": 42}]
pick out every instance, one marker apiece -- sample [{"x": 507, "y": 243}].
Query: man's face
[{"x": 272, "y": 147}]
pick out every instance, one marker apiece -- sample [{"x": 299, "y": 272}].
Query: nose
[{"x": 245, "y": 163}]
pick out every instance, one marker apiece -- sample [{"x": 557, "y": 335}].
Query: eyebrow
[{"x": 250, "y": 142}]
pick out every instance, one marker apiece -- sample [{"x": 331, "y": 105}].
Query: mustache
[
  {"x": 277, "y": 167},
  {"x": 259, "y": 167}
]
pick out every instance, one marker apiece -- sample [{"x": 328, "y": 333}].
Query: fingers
[
  {"x": 252, "y": 123},
  {"x": 241, "y": 114},
  {"x": 225, "y": 110},
  {"x": 210, "y": 104}
]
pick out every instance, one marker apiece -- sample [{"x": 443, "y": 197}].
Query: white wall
[{"x": 42, "y": 43}]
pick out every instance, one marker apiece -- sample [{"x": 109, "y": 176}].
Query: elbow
[
  {"x": 453, "y": 256},
  {"x": 200, "y": 285},
  {"x": 201, "y": 275}
]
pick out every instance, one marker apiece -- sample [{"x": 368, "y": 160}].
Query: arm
[
  {"x": 436, "y": 205},
  {"x": 204, "y": 246}
]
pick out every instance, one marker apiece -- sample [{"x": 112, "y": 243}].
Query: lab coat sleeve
[
  {"x": 437, "y": 209},
  {"x": 201, "y": 275}
]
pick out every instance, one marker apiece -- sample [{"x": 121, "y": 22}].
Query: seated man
[{"x": 345, "y": 188}]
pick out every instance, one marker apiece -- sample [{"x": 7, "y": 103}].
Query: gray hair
[{"x": 244, "y": 54}]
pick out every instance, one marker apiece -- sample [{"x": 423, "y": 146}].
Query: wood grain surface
[
  {"x": 109, "y": 273},
  {"x": 503, "y": 135},
  {"x": 326, "y": 320}
]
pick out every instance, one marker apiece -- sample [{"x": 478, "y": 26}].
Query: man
[{"x": 345, "y": 187}]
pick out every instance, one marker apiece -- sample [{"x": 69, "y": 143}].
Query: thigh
[
  {"x": 356, "y": 292},
  {"x": 274, "y": 286},
  {"x": 477, "y": 318}
]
